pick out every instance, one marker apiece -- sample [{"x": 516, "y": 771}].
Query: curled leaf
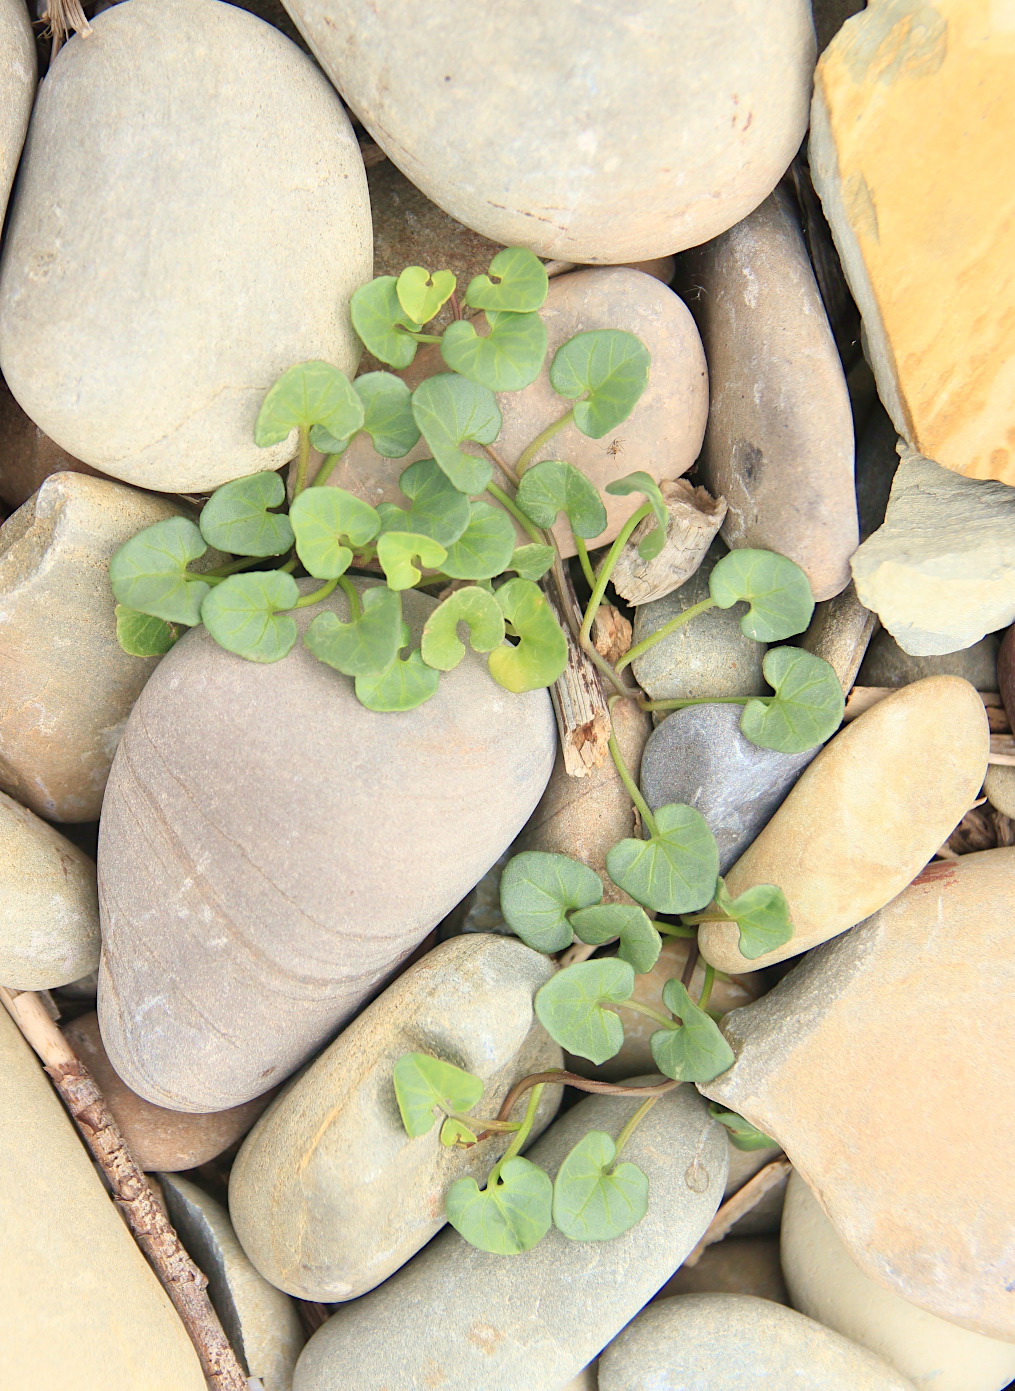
[
  {"x": 478, "y": 610},
  {"x": 743, "y": 1135},
  {"x": 551, "y": 487},
  {"x": 517, "y": 282},
  {"x": 507, "y": 358},
  {"x": 778, "y": 591},
  {"x": 408, "y": 682},
  {"x": 395, "y": 551},
  {"x": 571, "y": 1007},
  {"x": 695, "y": 1051},
  {"x": 149, "y": 572},
  {"x": 675, "y": 870},
  {"x": 531, "y": 562},
  {"x": 608, "y": 368},
  {"x": 456, "y": 1133},
  {"x": 365, "y": 646},
  {"x": 507, "y": 1217},
  {"x": 438, "y": 509},
  {"x": 424, "y": 1085},
  {"x": 246, "y": 614},
  {"x": 541, "y": 653},
  {"x": 422, "y": 293},
  {"x": 311, "y": 393},
  {"x": 141, "y": 635},
  {"x": 806, "y": 709},
  {"x": 537, "y": 892},
  {"x": 641, "y": 482},
  {"x": 329, "y": 525},
  {"x": 381, "y": 323},
  {"x": 450, "y": 410},
  {"x": 593, "y": 1201},
  {"x": 387, "y": 417},
  {"x": 762, "y": 915},
  {"x": 484, "y": 548},
  {"x": 236, "y": 519},
  {"x": 640, "y": 943}
]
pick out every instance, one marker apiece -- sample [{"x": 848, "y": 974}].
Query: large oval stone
[
  {"x": 586, "y": 133},
  {"x": 458, "y": 1317},
  {"x": 270, "y": 850},
  {"x": 329, "y": 1195},
  {"x": 190, "y": 220},
  {"x": 864, "y": 817},
  {"x": 17, "y": 58}
]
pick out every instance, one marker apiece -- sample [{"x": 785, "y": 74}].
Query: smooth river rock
[
  {"x": 49, "y": 926},
  {"x": 839, "y": 633},
  {"x": 161, "y": 1140},
  {"x": 877, "y": 1064},
  {"x": 68, "y": 686},
  {"x": 709, "y": 656},
  {"x": 261, "y": 1323},
  {"x": 329, "y": 1195},
  {"x": 728, "y": 1342},
  {"x": 458, "y": 1318},
  {"x": 865, "y": 816},
  {"x": 999, "y": 788},
  {"x": 17, "y": 57},
  {"x": 940, "y": 572},
  {"x": 662, "y": 435},
  {"x": 666, "y": 123},
  {"x": 826, "y": 1284},
  {"x": 908, "y": 86},
  {"x": 142, "y": 318},
  {"x": 699, "y": 757},
  {"x": 887, "y": 664},
  {"x": 71, "y": 1276},
  {"x": 270, "y": 850},
  {"x": 779, "y": 443}
]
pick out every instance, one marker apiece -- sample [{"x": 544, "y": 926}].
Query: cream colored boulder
[
  {"x": 880, "y": 1064},
  {"x": 80, "y": 1307},
  {"x": 17, "y": 58},
  {"x": 67, "y": 685},
  {"x": 583, "y": 132},
  {"x": 826, "y": 1284},
  {"x": 864, "y": 817},
  {"x": 49, "y": 922},
  {"x": 202, "y": 232}
]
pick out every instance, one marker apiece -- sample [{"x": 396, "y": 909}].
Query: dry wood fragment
[
  {"x": 62, "y": 18},
  {"x": 694, "y": 517},
  {"x": 742, "y": 1201},
  {"x": 583, "y": 718},
  {"x": 180, "y": 1277},
  {"x": 612, "y": 633}
]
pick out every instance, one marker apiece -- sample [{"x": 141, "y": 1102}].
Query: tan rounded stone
[
  {"x": 864, "y": 817},
  {"x": 68, "y": 686},
  {"x": 49, "y": 925},
  {"x": 203, "y": 233},
  {"x": 80, "y": 1307},
  {"x": 17, "y": 57},
  {"x": 826, "y": 1284},
  {"x": 662, "y": 435},
  {"x": 737, "y": 1265},
  {"x": 879, "y": 1064}
]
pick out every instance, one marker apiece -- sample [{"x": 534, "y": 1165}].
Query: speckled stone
[
  {"x": 709, "y": 656},
  {"x": 458, "y": 1317},
  {"x": 886, "y": 664}
]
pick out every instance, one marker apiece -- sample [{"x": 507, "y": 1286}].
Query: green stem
[
  {"x": 424, "y": 337},
  {"x": 328, "y": 587},
  {"x": 288, "y": 567},
  {"x": 624, "y": 773},
  {"x": 302, "y": 462},
  {"x": 663, "y": 1019},
  {"x": 521, "y": 1135},
  {"x": 582, "y": 552},
  {"x": 706, "y": 989},
  {"x": 475, "y": 1124},
  {"x": 702, "y": 700},
  {"x": 664, "y": 631},
  {"x": 528, "y": 454},
  {"x": 502, "y": 464},
  {"x": 606, "y": 570},
  {"x": 223, "y": 571},
  {"x": 672, "y": 930},
  {"x": 511, "y": 506},
  {"x": 352, "y": 594},
  {"x": 713, "y": 913},
  {"x": 633, "y": 1123},
  {"x": 325, "y": 471}
]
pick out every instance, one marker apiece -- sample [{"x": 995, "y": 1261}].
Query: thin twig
[
  {"x": 572, "y": 1079},
  {"x": 689, "y": 965},
  {"x": 180, "y": 1277},
  {"x": 744, "y": 1200}
]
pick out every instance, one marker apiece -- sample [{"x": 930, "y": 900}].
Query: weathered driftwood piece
[
  {"x": 741, "y": 1202},
  {"x": 180, "y": 1277},
  {"x": 694, "y": 518},
  {"x": 612, "y": 633},
  {"x": 583, "y": 719}
]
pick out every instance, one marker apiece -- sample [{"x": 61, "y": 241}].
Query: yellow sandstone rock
[{"x": 911, "y": 152}]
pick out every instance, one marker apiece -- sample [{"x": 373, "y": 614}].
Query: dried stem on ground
[
  {"x": 579, "y": 701},
  {"x": 62, "y": 18},
  {"x": 744, "y": 1200},
  {"x": 183, "y": 1282}
]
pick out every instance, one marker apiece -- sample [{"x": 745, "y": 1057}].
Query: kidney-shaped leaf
[
  {"x": 449, "y": 410},
  {"x": 424, "y": 1084},
  {"x": 441, "y": 646},
  {"x": 641, "y": 482},
  {"x": 538, "y": 890},
  {"x": 508, "y": 358},
  {"x": 456, "y": 1133},
  {"x": 640, "y": 943},
  {"x": 329, "y": 524},
  {"x": 395, "y": 551},
  {"x": 381, "y": 322},
  {"x": 777, "y": 590},
  {"x": 510, "y": 1215},
  {"x": 762, "y": 916},
  {"x": 806, "y": 709},
  {"x": 531, "y": 561},
  {"x": 236, "y": 519},
  {"x": 675, "y": 870},
  {"x": 608, "y": 368},
  {"x": 422, "y": 293},
  {"x": 517, "y": 282},
  {"x": 438, "y": 509},
  {"x": 149, "y": 572},
  {"x": 695, "y": 1051},
  {"x": 365, "y": 646},
  {"x": 541, "y": 654},
  {"x": 387, "y": 417},
  {"x": 141, "y": 635},
  {"x": 408, "y": 682},
  {"x": 591, "y": 1200},
  {"x": 551, "y": 487},
  {"x": 244, "y": 614},
  {"x": 311, "y": 393},
  {"x": 570, "y": 1007},
  {"x": 743, "y": 1135},
  {"x": 484, "y": 548}
]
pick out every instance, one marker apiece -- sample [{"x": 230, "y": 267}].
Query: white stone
[{"x": 18, "y": 62}]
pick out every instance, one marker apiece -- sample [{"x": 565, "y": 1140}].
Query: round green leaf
[
  {"x": 365, "y": 646},
  {"x": 380, "y": 321},
  {"x": 551, "y": 487},
  {"x": 387, "y": 417},
  {"x": 141, "y": 635},
  {"x": 695, "y": 1051},
  {"x": 517, "y": 282},
  {"x": 640, "y": 943},
  {"x": 484, "y": 548},
  {"x": 329, "y": 525},
  {"x": 407, "y": 683},
  {"x": 591, "y": 1201},
  {"x": 422, "y": 293},
  {"x": 537, "y": 892},
  {"x": 235, "y": 519},
  {"x": 395, "y": 551},
  {"x": 149, "y": 572},
  {"x": 644, "y": 483},
  {"x": 438, "y": 509},
  {"x": 743, "y": 1135},
  {"x": 675, "y": 870},
  {"x": 478, "y": 610},
  {"x": 424, "y": 1084},
  {"x": 777, "y": 590},
  {"x": 450, "y": 410},
  {"x": 508, "y": 358},
  {"x": 541, "y": 653},
  {"x": 507, "y": 1217},
  {"x": 609, "y": 364},
  {"x": 243, "y": 615},
  {"x": 311, "y": 393},
  {"x": 570, "y": 1007},
  {"x": 761, "y": 914},
  {"x": 456, "y": 1133},
  {"x": 807, "y": 707},
  {"x": 531, "y": 562}
]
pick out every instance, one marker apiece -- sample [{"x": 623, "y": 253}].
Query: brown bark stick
[
  {"x": 579, "y": 702},
  {"x": 180, "y": 1277}
]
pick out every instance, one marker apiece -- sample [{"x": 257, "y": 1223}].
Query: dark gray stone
[
  {"x": 886, "y": 664},
  {"x": 699, "y": 757}
]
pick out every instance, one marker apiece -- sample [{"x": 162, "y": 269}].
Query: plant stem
[
  {"x": 352, "y": 594},
  {"x": 581, "y": 1084},
  {"x": 511, "y": 506},
  {"x": 632, "y": 1125},
  {"x": 474, "y": 1124},
  {"x": 676, "y": 622},
  {"x": 703, "y": 700},
  {"x": 456, "y": 308},
  {"x": 325, "y": 471},
  {"x": 520, "y": 1136},
  {"x": 665, "y": 1021},
  {"x": 302, "y": 462},
  {"x": 624, "y": 773},
  {"x": 328, "y": 587},
  {"x": 706, "y": 989},
  {"x": 502, "y": 464},
  {"x": 288, "y": 567},
  {"x": 222, "y": 571},
  {"x": 671, "y": 930},
  {"x": 530, "y": 451},
  {"x": 582, "y": 552},
  {"x": 605, "y": 571},
  {"x": 689, "y": 965},
  {"x": 713, "y": 913},
  {"x": 424, "y": 337}
]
